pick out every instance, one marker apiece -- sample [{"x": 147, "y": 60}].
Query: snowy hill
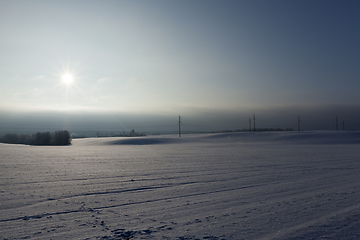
[
  {"x": 310, "y": 137},
  {"x": 266, "y": 185}
]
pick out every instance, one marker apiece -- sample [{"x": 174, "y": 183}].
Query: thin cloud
[
  {"x": 104, "y": 79},
  {"x": 38, "y": 77}
]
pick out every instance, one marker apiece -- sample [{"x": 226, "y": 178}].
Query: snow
[{"x": 273, "y": 185}]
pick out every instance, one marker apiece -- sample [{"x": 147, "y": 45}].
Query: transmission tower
[
  {"x": 254, "y": 123},
  {"x": 250, "y": 124},
  {"x": 179, "y": 126},
  {"x": 337, "y": 127}
]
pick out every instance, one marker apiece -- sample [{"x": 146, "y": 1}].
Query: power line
[
  {"x": 179, "y": 126},
  {"x": 250, "y": 124},
  {"x": 337, "y": 127},
  {"x": 254, "y": 123}
]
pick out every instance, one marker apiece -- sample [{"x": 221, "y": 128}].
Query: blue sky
[{"x": 178, "y": 57}]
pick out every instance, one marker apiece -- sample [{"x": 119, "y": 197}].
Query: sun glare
[{"x": 67, "y": 79}]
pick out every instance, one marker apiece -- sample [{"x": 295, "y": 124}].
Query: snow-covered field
[{"x": 212, "y": 186}]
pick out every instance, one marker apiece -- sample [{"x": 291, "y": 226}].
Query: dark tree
[{"x": 45, "y": 138}]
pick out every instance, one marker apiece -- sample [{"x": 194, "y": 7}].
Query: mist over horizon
[{"x": 197, "y": 121}]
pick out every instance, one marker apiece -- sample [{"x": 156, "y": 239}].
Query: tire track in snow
[
  {"x": 144, "y": 188},
  {"x": 82, "y": 209},
  {"x": 107, "y": 192},
  {"x": 203, "y": 173}
]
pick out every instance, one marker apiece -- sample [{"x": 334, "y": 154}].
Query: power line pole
[
  {"x": 254, "y": 123},
  {"x": 250, "y": 124},
  {"x": 337, "y": 127},
  {"x": 179, "y": 126},
  {"x": 298, "y": 123}
]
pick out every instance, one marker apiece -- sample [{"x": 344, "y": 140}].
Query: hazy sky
[{"x": 176, "y": 57}]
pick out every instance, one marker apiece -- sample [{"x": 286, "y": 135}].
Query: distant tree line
[
  {"x": 273, "y": 129},
  {"x": 39, "y": 138},
  {"x": 132, "y": 133},
  {"x": 257, "y": 130}
]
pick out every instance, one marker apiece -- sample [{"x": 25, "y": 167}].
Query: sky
[{"x": 203, "y": 60}]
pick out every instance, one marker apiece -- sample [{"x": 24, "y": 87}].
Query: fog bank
[{"x": 192, "y": 121}]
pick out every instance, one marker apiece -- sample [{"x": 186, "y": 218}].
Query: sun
[{"x": 67, "y": 79}]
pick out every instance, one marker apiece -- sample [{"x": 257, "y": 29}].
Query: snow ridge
[{"x": 308, "y": 137}]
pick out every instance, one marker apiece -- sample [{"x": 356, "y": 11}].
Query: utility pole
[
  {"x": 250, "y": 124},
  {"x": 343, "y": 125},
  {"x": 298, "y": 123},
  {"x": 254, "y": 123},
  {"x": 179, "y": 126},
  {"x": 337, "y": 127}
]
